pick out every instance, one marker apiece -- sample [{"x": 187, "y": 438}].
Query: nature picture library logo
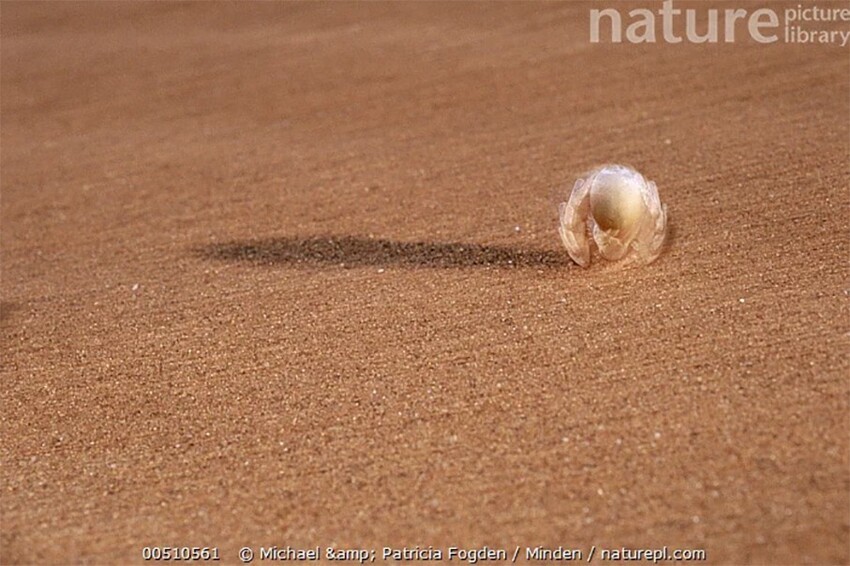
[{"x": 803, "y": 23}]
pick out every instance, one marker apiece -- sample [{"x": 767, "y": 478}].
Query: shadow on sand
[
  {"x": 6, "y": 310},
  {"x": 351, "y": 251}
]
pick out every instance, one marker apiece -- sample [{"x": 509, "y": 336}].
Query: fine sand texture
[{"x": 289, "y": 274}]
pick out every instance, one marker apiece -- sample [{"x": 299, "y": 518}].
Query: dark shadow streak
[
  {"x": 352, "y": 251},
  {"x": 6, "y": 308}
]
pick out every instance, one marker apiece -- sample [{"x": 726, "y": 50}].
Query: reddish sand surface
[{"x": 289, "y": 274}]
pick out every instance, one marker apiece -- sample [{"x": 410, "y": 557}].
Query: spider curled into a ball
[{"x": 616, "y": 209}]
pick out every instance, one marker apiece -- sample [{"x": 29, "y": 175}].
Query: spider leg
[
  {"x": 610, "y": 247},
  {"x": 651, "y": 239},
  {"x": 573, "y": 223}
]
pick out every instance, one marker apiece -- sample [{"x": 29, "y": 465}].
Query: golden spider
[{"x": 621, "y": 211}]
